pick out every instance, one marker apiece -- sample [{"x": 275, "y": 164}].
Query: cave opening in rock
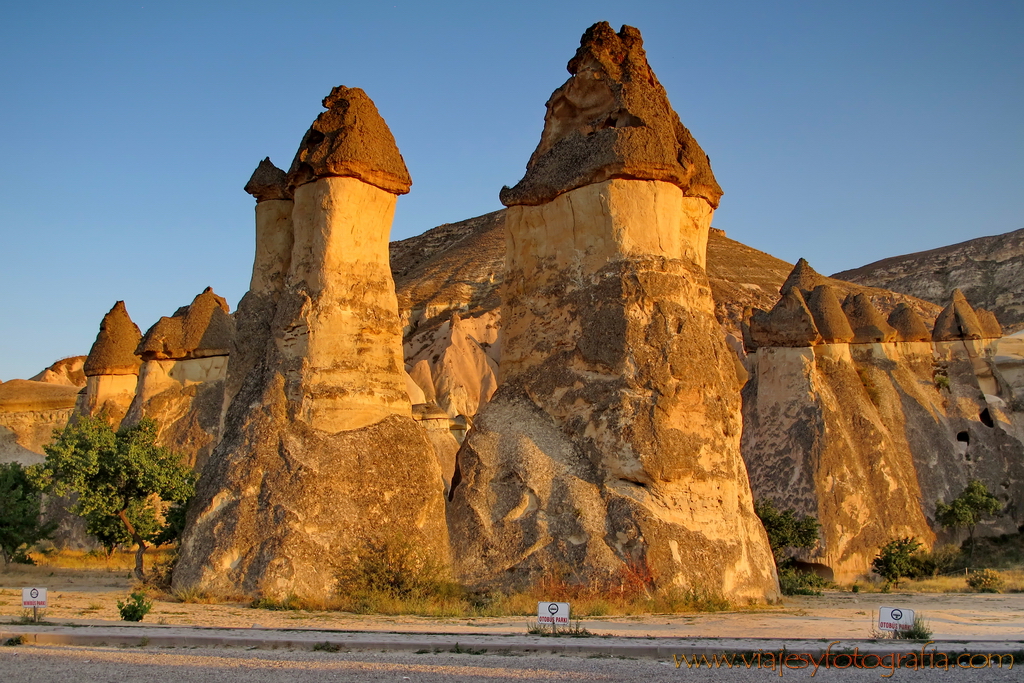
[{"x": 986, "y": 418}]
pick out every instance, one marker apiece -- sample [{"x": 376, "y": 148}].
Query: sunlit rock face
[
  {"x": 867, "y": 436},
  {"x": 111, "y": 368},
  {"x": 613, "y": 439},
  {"x": 320, "y": 453},
  {"x": 181, "y": 381}
]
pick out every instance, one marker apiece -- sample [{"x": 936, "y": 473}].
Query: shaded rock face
[
  {"x": 320, "y": 453},
  {"x": 612, "y": 119},
  {"x": 111, "y": 368},
  {"x": 868, "y": 436},
  {"x": 67, "y": 371},
  {"x": 613, "y": 438},
  {"x": 986, "y": 269},
  {"x": 957, "y": 321},
  {"x": 181, "y": 382}
]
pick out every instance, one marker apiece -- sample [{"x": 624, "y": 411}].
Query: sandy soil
[{"x": 90, "y": 596}]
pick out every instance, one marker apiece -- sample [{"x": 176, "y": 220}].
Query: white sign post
[
  {"x": 34, "y": 598},
  {"x": 554, "y": 613},
  {"x": 895, "y": 619}
]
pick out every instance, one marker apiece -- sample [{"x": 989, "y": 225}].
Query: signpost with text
[
  {"x": 895, "y": 619},
  {"x": 554, "y": 613},
  {"x": 34, "y": 598}
]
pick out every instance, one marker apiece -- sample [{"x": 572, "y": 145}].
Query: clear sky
[{"x": 843, "y": 132}]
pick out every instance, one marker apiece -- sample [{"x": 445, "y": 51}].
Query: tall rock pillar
[
  {"x": 112, "y": 368},
  {"x": 320, "y": 455},
  {"x": 613, "y": 440}
]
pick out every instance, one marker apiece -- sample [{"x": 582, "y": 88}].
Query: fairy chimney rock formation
[
  {"x": 957, "y": 321},
  {"x": 990, "y": 327},
  {"x": 111, "y": 368},
  {"x": 829, "y": 318},
  {"x": 804, "y": 278},
  {"x": 320, "y": 456},
  {"x": 613, "y": 439},
  {"x": 868, "y": 323},
  {"x": 789, "y": 323},
  {"x": 908, "y": 325}
]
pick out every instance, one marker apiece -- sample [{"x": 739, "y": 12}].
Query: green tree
[
  {"x": 895, "y": 560},
  {"x": 786, "y": 530},
  {"x": 974, "y": 504},
  {"x": 122, "y": 475},
  {"x": 20, "y": 513}
]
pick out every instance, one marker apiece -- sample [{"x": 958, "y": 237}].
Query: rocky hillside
[{"x": 987, "y": 270}]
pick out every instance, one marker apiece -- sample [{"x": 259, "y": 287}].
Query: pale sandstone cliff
[
  {"x": 320, "y": 453},
  {"x": 614, "y": 436},
  {"x": 986, "y": 269}
]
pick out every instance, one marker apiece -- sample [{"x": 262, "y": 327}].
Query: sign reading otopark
[{"x": 895, "y": 619}]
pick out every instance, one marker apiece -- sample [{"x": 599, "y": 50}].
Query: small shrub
[
  {"x": 327, "y": 647},
  {"x": 894, "y": 562},
  {"x": 985, "y": 581},
  {"x": 855, "y": 588},
  {"x": 16, "y": 640},
  {"x": 135, "y": 608},
  {"x": 919, "y": 631},
  {"x": 942, "y": 382},
  {"x": 938, "y": 561},
  {"x": 793, "y": 582}
]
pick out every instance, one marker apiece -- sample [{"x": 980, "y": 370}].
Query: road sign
[
  {"x": 33, "y": 597},
  {"x": 895, "y": 619},
  {"x": 555, "y": 613}
]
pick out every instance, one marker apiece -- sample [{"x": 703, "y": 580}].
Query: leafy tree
[
  {"x": 895, "y": 560},
  {"x": 974, "y": 504},
  {"x": 20, "y": 510},
  {"x": 786, "y": 530},
  {"x": 122, "y": 475}
]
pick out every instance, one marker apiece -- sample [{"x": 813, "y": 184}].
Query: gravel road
[{"x": 31, "y": 664}]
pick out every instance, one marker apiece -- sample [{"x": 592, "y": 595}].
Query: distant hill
[{"x": 988, "y": 270}]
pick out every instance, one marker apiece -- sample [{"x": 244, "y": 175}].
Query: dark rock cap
[
  {"x": 203, "y": 328},
  {"x": 789, "y": 323},
  {"x": 350, "y": 140},
  {"x": 612, "y": 119},
  {"x": 908, "y": 325},
  {"x": 804, "y": 278},
  {"x": 868, "y": 323},
  {"x": 990, "y": 326},
  {"x": 113, "y": 352},
  {"x": 957, "y": 321},
  {"x": 829, "y": 318},
  {"x": 268, "y": 182}
]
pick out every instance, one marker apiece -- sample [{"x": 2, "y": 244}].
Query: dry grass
[
  {"x": 1013, "y": 578},
  {"x": 118, "y": 561}
]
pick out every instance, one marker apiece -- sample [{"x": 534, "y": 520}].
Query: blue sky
[{"x": 840, "y": 132}]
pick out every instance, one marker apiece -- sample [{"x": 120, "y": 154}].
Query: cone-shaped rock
[
  {"x": 829, "y": 318},
  {"x": 908, "y": 325},
  {"x": 804, "y": 278},
  {"x": 613, "y": 440},
  {"x": 268, "y": 182},
  {"x": 868, "y": 323},
  {"x": 957, "y": 321},
  {"x": 350, "y": 140},
  {"x": 321, "y": 461},
  {"x": 991, "y": 329},
  {"x": 203, "y": 328},
  {"x": 789, "y": 323},
  {"x": 612, "y": 119},
  {"x": 113, "y": 352}
]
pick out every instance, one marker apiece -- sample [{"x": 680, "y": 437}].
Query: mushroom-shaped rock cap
[
  {"x": 990, "y": 326},
  {"x": 957, "y": 321},
  {"x": 113, "y": 352},
  {"x": 203, "y": 328},
  {"x": 908, "y": 325},
  {"x": 829, "y": 317},
  {"x": 868, "y": 323},
  {"x": 803, "y": 277},
  {"x": 350, "y": 140},
  {"x": 612, "y": 119},
  {"x": 268, "y": 182},
  {"x": 789, "y": 323}
]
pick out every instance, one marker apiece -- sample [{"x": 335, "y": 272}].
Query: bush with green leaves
[
  {"x": 788, "y": 531},
  {"x": 20, "y": 514},
  {"x": 985, "y": 581},
  {"x": 793, "y": 582},
  {"x": 935, "y": 562},
  {"x": 973, "y": 505},
  {"x": 895, "y": 560},
  {"x": 135, "y": 608},
  {"x": 122, "y": 476}
]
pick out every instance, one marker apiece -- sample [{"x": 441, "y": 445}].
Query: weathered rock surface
[
  {"x": 67, "y": 371},
  {"x": 112, "y": 368},
  {"x": 986, "y": 269},
  {"x": 868, "y": 323},
  {"x": 181, "y": 382},
  {"x": 789, "y": 323},
  {"x": 29, "y": 412},
  {"x": 320, "y": 452},
  {"x": 613, "y": 438},
  {"x": 829, "y": 317},
  {"x": 957, "y": 321},
  {"x": 908, "y": 325}
]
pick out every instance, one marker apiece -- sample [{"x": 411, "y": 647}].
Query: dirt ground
[{"x": 89, "y": 596}]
